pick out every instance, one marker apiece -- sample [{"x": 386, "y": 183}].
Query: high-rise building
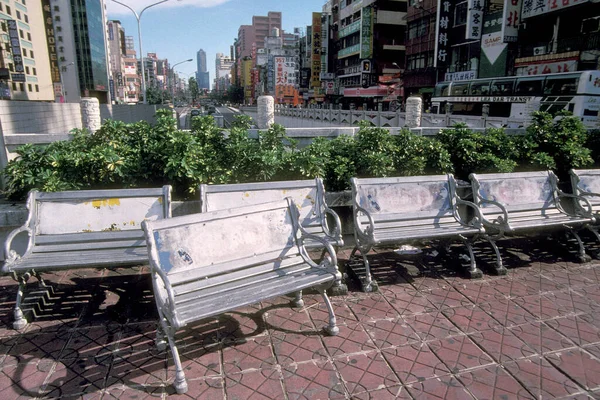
[
  {"x": 129, "y": 44},
  {"x": 117, "y": 53},
  {"x": 223, "y": 66},
  {"x": 202, "y": 75},
  {"x": 30, "y": 66}
]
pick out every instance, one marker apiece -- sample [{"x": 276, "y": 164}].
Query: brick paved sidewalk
[{"x": 428, "y": 334}]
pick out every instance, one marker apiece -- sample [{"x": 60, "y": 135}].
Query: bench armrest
[
  {"x": 11, "y": 255},
  {"x": 337, "y": 229},
  {"x": 477, "y": 222},
  {"x": 500, "y": 222},
  {"x": 580, "y": 210},
  {"x": 369, "y": 232},
  {"x": 306, "y": 235}
]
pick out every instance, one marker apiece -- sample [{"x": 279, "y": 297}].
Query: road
[
  {"x": 228, "y": 115},
  {"x": 184, "y": 117}
]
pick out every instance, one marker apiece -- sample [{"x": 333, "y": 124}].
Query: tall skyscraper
[{"x": 202, "y": 75}]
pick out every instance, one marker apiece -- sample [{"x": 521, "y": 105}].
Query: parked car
[{"x": 195, "y": 112}]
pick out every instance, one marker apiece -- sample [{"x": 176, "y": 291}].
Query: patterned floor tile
[
  {"x": 365, "y": 372},
  {"x": 24, "y": 380},
  {"x": 31, "y": 347},
  {"x": 493, "y": 383},
  {"x": 414, "y": 363},
  {"x": 351, "y": 339},
  {"x": 295, "y": 347},
  {"x": 568, "y": 278},
  {"x": 479, "y": 292},
  {"x": 76, "y": 378},
  {"x": 471, "y": 319},
  {"x": 97, "y": 342},
  {"x": 577, "y": 329},
  {"x": 444, "y": 388},
  {"x": 447, "y": 297},
  {"x": 511, "y": 287},
  {"x": 265, "y": 384},
  {"x": 460, "y": 353},
  {"x": 242, "y": 323},
  {"x": 119, "y": 392},
  {"x": 197, "y": 362},
  {"x": 247, "y": 355},
  {"x": 390, "y": 392},
  {"x": 288, "y": 320},
  {"x": 540, "y": 337},
  {"x": 578, "y": 365},
  {"x": 313, "y": 380},
  {"x": 541, "y": 378},
  {"x": 508, "y": 313},
  {"x": 372, "y": 307},
  {"x": 407, "y": 301},
  {"x": 432, "y": 326},
  {"x": 320, "y": 316},
  {"x": 502, "y": 344},
  {"x": 390, "y": 333}
]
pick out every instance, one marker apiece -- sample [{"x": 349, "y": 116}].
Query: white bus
[{"x": 518, "y": 96}]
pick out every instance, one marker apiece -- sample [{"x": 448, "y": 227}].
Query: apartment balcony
[
  {"x": 349, "y": 51},
  {"x": 591, "y": 41}
]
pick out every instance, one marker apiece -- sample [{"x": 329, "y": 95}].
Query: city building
[
  {"x": 132, "y": 78},
  {"x": 29, "y": 66},
  {"x": 202, "y": 74},
  {"x": 129, "y": 43},
  {"x": 117, "y": 53},
  {"x": 223, "y": 71}
]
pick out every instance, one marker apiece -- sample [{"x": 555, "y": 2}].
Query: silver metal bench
[
  {"x": 527, "y": 202},
  {"x": 308, "y": 195},
  {"x": 407, "y": 210},
  {"x": 210, "y": 263},
  {"x": 83, "y": 229},
  {"x": 586, "y": 183}
]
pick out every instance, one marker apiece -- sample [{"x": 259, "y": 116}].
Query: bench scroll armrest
[
  {"x": 370, "y": 230},
  {"x": 476, "y": 222},
  {"x": 336, "y": 232},
  {"x": 11, "y": 255},
  {"x": 586, "y": 211},
  {"x": 500, "y": 222},
  {"x": 306, "y": 235}
]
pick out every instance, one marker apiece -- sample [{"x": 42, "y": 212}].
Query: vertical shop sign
[
  {"x": 316, "y": 51},
  {"x": 494, "y": 50},
  {"x": 511, "y": 16},
  {"x": 13, "y": 34},
  {"x": 366, "y": 33},
  {"x": 474, "y": 19},
  {"x": 51, "y": 41},
  {"x": 442, "y": 43}
]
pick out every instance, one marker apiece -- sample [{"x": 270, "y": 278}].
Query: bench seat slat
[
  {"x": 210, "y": 287},
  {"x": 120, "y": 244},
  {"x": 182, "y": 276},
  {"x": 431, "y": 223},
  {"x": 389, "y": 235},
  {"x": 81, "y": 259},
  {"x": 227, "y": 301}
]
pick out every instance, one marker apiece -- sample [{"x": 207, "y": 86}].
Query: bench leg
[
  {"x": 595, "y": 232},
  {"x": 298, "y": 302},
  {"x": 500, "y": 269},
  {"x": 20, "y": 321},
  {"x": 180, "y": 384},
  {"x": 366, "y": 281},
  {"x": 473, "y": 272},
  {"x": 582, "y": 257},
  {"x": 160, "y": 341},
  {"x": 331, "y": 329},
  {"x": 338, "y": 288}
]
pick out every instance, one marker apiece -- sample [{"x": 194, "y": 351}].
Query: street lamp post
[
  {"x": 173, "y": 79},
  {"x": 137, "y": 17}
]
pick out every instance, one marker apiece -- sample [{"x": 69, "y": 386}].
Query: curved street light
[
  {"x": 173, "y": 79},
  {"x": 137, "y": 17}
]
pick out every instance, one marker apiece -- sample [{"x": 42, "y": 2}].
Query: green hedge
[{"x": 141, "y": 155}]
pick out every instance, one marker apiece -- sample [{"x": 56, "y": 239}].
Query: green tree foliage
[{"x": 193, "y": 85}]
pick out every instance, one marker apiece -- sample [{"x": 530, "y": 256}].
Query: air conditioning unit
[{"x": 539, "y": 51}]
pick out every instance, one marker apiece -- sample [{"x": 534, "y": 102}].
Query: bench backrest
[
  {"x": 214, "y": 244},
  {"x": 586, "y": 182},
  {"x": 103, "y": 212},
  {"x": 416, "y": 197},
  {"x": 308, "y": 195},
  {"x": 520, "y": 191}
]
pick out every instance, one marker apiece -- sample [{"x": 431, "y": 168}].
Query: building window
[
  {"x": 18, "y": 14},
  {"x": 1, "y": 7},
  {"x": 460, "y": 14},
  {"x": 29, "y": 87},
  {"x": 11, "y": 67},
  {"x": 8, "y": 10},
  {"x": 24, "y": 51},
  {"x": 29, "y": 36},
  {"x": 418, "y": 28},
  {"x": 22, "y": 87},
  {"x": 31, "y": 54},
  {"x": 21, "y": 34},
  {"x": 23, "y": 1},
  {"x": 37, "y": 88},
  {"x": 34, "y": 71},
  {"x": 26, "y": 18},
  {"x": 27, "y": 70},
  {"x": 3, "y": 25},
  {"x": 14, "y": 86}
]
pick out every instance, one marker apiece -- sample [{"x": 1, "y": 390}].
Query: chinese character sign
[
  {"x": 511, "y": 17},
  {"x": 366, "y": 33},
  {"x": 13, "y": 34},
  {"x": 315, "y": 80},
  {"x": 446, "y": 11},
  {"x": 532, "y": 8},
  {"x": 50, "y": 41},
  {"x": 474, "y": 19}
]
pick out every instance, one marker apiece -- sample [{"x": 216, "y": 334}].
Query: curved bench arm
[
  {"x": 11, "y": 255},
  {"x": 306, "y": 235},
  {"x": 500, "y": 222},
  {"x": 337, "y": 229},
  {"x": 478, "y": 220},
  {"x": 370, "y": 231},
  {"x": 578, "y": 200}
]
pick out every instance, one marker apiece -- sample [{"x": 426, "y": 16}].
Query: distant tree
[
  {"x": 156, "y": 95},
  {"x": 194, "y": 88}
]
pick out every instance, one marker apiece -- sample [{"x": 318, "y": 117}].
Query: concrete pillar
[
  {"x": 380, "y": 107},
  {"x": 414, "y": 108},
  {"x": 90, "y": 113},
  {"x": 266, "y": 112}
]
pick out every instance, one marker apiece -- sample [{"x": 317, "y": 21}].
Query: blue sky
[{"x": 178, "y": 29}]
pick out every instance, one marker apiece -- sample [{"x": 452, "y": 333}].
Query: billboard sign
[
  {"x": 13, "y": 34},
  {"x": 445, "y": 13},
  {"x": 366, "y": 33},
  {"x": 474, "y": 19},
  {"x": 315, "y": 81},
  {"x": 51, "y": 41},
  {"x": 531, "y": 8}
]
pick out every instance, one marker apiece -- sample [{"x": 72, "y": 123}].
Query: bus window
[
  {"x": 480, "y": 88},
  {"x": 460, "y": 89},
  {"x": 529, "y": 86},
  {"x": 502, "y": 87},
  {"x": 441, "y": 89},
  {"x": 561, "y": 86}
]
